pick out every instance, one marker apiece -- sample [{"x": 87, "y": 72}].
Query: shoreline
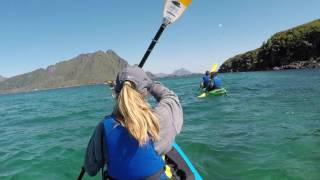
[
  {"x": 48, "y": 89},
  {"x": 104, "y": 83},
  {"x": 274, "y": 69}
]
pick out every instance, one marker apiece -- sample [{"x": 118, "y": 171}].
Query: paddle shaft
[
  {"x": 143, "y": 60},
  {"x": 81, "y": 173},
  {"x": 151, "y": 46}
]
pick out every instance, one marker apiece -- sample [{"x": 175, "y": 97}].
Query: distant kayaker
[
  {"x": 205, "y": 80},
  {"x": 130, "y": 141},
  {"x": 215, "y": 81}
]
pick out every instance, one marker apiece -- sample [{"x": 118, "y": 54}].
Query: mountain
[
  {"x": 176, "y": 73},
  {"x": 181, "y": 72},
  {"x": 2, "y": 78},
  {"x": 97, "y": 67},
  {"x": 295, "y": 48}
]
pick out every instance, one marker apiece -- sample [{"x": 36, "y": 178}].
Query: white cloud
[{"x": 220, "y": 25}]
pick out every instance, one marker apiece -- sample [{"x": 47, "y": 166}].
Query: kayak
[
  {"x": 180, "y": 165},
  {"x": 177, "y": 166},
  {"x": 216, "y": 92}
]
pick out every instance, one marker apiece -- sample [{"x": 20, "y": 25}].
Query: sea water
[{"x": 268, "y": 127}]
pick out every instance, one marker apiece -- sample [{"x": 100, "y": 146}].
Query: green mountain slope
[
  {"x": 90, "y": 68},
  {"x": 295, "y": 48}
]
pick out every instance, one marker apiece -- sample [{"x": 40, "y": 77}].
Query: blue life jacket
[
  {"x": 217, "y": 82},
  {"x": 126, "y": 159},
  {"x": 205, "y": 80}
]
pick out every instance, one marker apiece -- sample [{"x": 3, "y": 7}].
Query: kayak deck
[
  {"x": 216, "y": 92},
  {"x": 181, "y": 167}
]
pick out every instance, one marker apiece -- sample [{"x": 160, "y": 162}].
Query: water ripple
[{"x": 266, "y": 128}]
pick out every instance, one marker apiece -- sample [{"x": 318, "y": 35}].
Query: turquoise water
[{"x": 268, "y": 127}]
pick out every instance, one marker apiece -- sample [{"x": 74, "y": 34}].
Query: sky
[{"x": 37, "y": 33}]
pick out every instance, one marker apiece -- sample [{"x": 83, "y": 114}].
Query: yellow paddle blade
[
  {"x": 202, "y": 95},
  {"x": 214, "y": 68},
  {"x": 186, "y": 2}
]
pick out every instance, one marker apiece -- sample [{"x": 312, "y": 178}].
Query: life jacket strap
[{"x": 155, "y": 176}]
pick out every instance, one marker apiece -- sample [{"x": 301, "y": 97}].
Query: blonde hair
[{"x": 136, "y": 115}]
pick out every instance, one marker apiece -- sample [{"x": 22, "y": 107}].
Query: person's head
[
  {"x": 134, "y": 111},
  {"x": 213, "y": 74},
  {"x": 207, "y": 73}
]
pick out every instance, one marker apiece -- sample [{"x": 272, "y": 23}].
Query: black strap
[
  {"x": 155, "y": 176},
  {"x": 81, "y": 173},
  {"x": 102, "y": 154}
]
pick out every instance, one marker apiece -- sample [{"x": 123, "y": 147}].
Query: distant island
[
  {"x": 296, "y": 48},
  {"x": 90, "y": 68},
  {"x": 177, "y": 73},
  {"x": 2, "y": 78}
]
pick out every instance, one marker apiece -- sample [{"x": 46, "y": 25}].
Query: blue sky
[{"x": 38, "y": 33}]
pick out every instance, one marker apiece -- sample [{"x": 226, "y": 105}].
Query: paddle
[
  {"x": 173, "y": 9},
  {"x": 81, "y": 173},
  {"x": 214, "y": 68}
]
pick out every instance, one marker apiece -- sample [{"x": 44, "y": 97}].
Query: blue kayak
[{"x": 180, "y": 165}]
